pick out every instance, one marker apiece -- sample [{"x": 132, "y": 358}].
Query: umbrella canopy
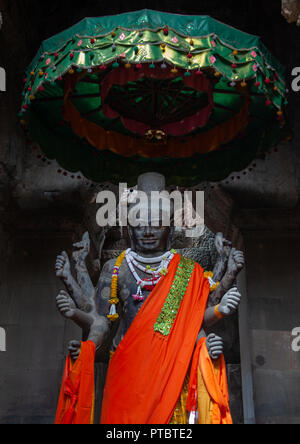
[{"x": 187, "y": 96}]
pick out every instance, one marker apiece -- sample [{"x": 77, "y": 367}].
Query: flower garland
[
  {"x": 151, "y": 260},
  {"x": 162, "y": 269},
  {"x": 213, "y": 285},
  {"x": 114, "y": 300},
  {"x": 157, "y": 273}
]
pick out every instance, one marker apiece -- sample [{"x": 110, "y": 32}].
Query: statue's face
[
  {"x": 150, "y": 239},
  {"x": 153, "y": 238}
]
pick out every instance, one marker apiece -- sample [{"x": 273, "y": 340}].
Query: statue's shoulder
[
  {"x": 116, "y": 262},
  {"x": 106, "y": 275},
  {"x": 188, "y": 262},
  {"x": 108, "y": 267}
]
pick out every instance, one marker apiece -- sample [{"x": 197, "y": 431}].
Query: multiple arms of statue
[
  {"x": 227, "y": 293},
  {"x": 78, "y": 303},
  {"x": 63, "y": 271},
  {"x": 82, "y": 291},
  {"x": 97, "y": 326},
  {"x": 93, "y": 320},
  {"x": 79, "y": 256}
]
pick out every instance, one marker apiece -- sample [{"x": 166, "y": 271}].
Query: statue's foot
[{"x": 68, "y": 309}]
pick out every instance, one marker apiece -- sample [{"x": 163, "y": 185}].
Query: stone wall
[
  {"x": 37, "y": 336},
  {"x": 273, "y": 287}
]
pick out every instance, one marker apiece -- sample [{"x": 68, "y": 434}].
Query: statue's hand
[
  {"x": 65, "y": 305},
  {"x": 74, "y": 349},
  {"x": 223, "y": 246},
  {"x": 62, "y": 266},
  {"x": 230, "y": 302},
  {"x": 214, "y": 346},
  {"x": 98, "y": 332},
  {"x": 84, "y": 246},
  {"x": 236, "y": 262}
]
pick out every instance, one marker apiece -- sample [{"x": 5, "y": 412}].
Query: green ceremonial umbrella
[{"x": 187, "y": 96}]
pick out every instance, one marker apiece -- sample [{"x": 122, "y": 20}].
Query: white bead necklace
[
  {"x": 156, "y": 273},
  {"x": 153, "y": 271},
  {"x": 150, "y": 260}
]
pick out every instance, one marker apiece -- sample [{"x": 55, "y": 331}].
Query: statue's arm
[
  {"x": 220, "y": 267},
  {"x": 226, "y": 295},
  {"x": 223, "y": 248},
  {"x": 63, "y": 271},
  {"x": 84, "y": 280},
  {"x": 228, "y": 305},
  {"x": 83, "y": 277},
  {"x": 236, "y": 262},
  {"x": 214, "y": 344},
  {"x": 103, "y": 290},
  {"x": 103, "y": 330},
  {"x": 98, "y": 328},
  {"x": 225, "y": 285}
]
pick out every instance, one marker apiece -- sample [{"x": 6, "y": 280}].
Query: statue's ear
[{"x": 130, "y": 232}]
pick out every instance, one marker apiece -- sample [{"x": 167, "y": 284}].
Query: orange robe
[
  {"x": 208, "y": 389},
  {"x": 147, "y": 372},
  {"x": 76, "y": 401}
]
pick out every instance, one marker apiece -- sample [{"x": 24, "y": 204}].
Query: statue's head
[{"x": 153, "y": 234}]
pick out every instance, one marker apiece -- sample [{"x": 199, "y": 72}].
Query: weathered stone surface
[
  {"x": 273, "y": 283},
  {"x": 272, "y": 350},
  {"x": 276, "y": 396},
  {"x": 291, "y": 11},
  {"x": 37, "y": 336},
  {"x": 235, "y": 388}
]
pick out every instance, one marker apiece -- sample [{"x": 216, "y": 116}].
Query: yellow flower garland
[
  {"x": 114, "y": 300},
  {"x": 209, "y": 274}
]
